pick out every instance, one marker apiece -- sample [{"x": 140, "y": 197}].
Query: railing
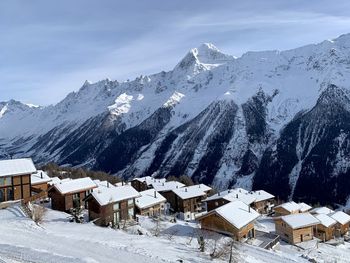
[{"x": 35, "y": 197}]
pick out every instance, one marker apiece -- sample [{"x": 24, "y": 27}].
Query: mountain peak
[{"x": 204, "y": 57}]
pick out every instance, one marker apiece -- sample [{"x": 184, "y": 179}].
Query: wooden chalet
[
  {"x": 144, "y": 183},
  {"x": 166, "y": 188},
  {"x": 264, "y": 201},
  {"x": 187, "y": 201},
  {"x": 110, "y": 205},
  {"x": 341, "y": 228},
  {"x": 325, "y": 230},
  {"x": 150, "y": 203},
  {"x": 227, "y": 196},
  {"x": 40, "y": 183},
  {"x": 296, "y": 228},
  {"x": 67, "y": 193},
  {"x": 235, "y": 219},
  {"x": 290, "y": 208},
  {"x": 15, "y": 179}
]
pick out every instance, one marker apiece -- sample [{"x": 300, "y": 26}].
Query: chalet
[
  {"x": 68, "y": 193},
  {"x": 150, "y": 203},
  {"x": 144, "y": 183},
  {"x": 166, "y": 188},
  {"x": 235, "y": 219},
  {"x": 40, "y": 182},
  {"x": 296, "y": 228},
  {"x": 321, "y": 210},
  {"x": 325, "y": 230},
  {"x": 343, "y": 221},
  {"x": 188, "y": 200},
  {"x": 264, "y": 201},
  {"x": 290, "y": 208},
  {"x": 112, "y": 205},
  {"x": 15, "y": 179},
  {"x": 227, "y": 196}
]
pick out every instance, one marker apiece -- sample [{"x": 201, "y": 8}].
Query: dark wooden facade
[
  {"x": 263, "y": 206},
  {"x": 15, "y": 187},
  {"x": 65, "y": 202},
  {"x": 139, "y": 186},
  {"x": 112, "y": 214},
  {"x": 213, "y": 204}
]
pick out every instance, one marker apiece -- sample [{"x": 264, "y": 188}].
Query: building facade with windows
[
  {"x": 15, "y": 179},
  {"x": 112, "y": 205}
]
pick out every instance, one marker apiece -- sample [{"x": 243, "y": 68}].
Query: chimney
[
  {"x": 107, "y": 184},
  {"x": 229, "y": 190},
  {"x": 122, "y": 183},
  {"x": 185, "y": 189},
  {"x": 237, "y": 196},
  {"x": 199, "y": 186},
  {"x": 239, "y": 190},
  {"x": 155, "y": 194},
  {"x": 218, "y": 193},
  {"x": 163, "y": 183},
  {"x": 249, "y": 208},
  {"x": 41, "y": 175}
]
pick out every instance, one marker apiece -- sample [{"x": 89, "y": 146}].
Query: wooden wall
[
  {"x": 216, "y": 223},
  {"x": 213, "y": 204},
  {"x": 293, "y": 236}
]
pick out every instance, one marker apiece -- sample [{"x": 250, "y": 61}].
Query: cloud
[{"x": 50, "y": 49}]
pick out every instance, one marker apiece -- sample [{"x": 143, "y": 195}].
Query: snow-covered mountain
[{"x": 278, "y": 120}]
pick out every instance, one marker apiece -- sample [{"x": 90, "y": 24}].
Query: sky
[{"x": 49, "y": 48}]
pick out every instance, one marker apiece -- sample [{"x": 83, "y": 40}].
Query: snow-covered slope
[{"x": 219, "y": 119}]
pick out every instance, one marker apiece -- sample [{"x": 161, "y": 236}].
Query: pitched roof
[
  {"x": 149, "y": 198},
  {"x": 15, "y": 167},
  {"x": 40, "y": 177},
  {"x": 167, "y": 186},
  {"x": 56, "y": 180},
  {"x": 261, "y": 195},
  {"x": 76, "y": 185},
  {"x": 296, "y": 221},
  {"x": 149, "y": 180},
  {"x": 321, "y": 210},
  {"x": 303, "y": 207},
  {"x": 289, "y": 206},
  {"x": 191, "y": 191},
  {"x": 236, "y": 213},
  {"x": 112, "y": 194},
  {"x": 340, "y": 217},
  {"x": 325, "y": 220},
  {"x": 233, "y": 195}
]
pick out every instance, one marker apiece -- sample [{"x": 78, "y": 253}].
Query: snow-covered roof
[
  {"x": 121, "y": 183},
  {"x": 191, "y": 191},
  {"x": 303, "y": 207},
  {"x": 167, "y": 186},
  {"x": 290, "y": 206},
  {"x": 15, "y": 167},
  {"x": 237, "y": 213},
  {"x": 149, "y": 180},
  {"x": 321, "y": 210},
  {"x": 108, "y": 195},
  {"x": 325, "y": 220},
  {"x": 40, "y": 177},
  {"x": 234, "y": 195},
  {"x": 340, "y": 217},
  {"x": 102, "y": 184},
  {"x": 56, "y": 180},
  {"x": 149, "y": 198},
  {"x": 76, "y": 185},
  {"x": 261, "y": 195},
  {"x": 301, "y": 220}
]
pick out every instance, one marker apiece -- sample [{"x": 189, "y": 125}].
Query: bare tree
[{"x": 38, "y": 213}]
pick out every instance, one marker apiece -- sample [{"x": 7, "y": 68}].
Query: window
[
  {"x": 286, "y": 235},
  {"x": 76, "y": 196},
  {"x": 5, "y": 181},
  {"x": 116, "y": 206},
  {"x": 216, "y": 203},
  {"x": 131, "y": 212},
  {"x": 130, "y": 202}
]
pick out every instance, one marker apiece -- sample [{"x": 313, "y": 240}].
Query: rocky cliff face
[{"x": 272, "y": 120}]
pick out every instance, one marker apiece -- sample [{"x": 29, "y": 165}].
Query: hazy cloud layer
[{"x": 49, "y": 48}]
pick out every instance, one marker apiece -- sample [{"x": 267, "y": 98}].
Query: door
[{"x": 2, "y": 195}]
